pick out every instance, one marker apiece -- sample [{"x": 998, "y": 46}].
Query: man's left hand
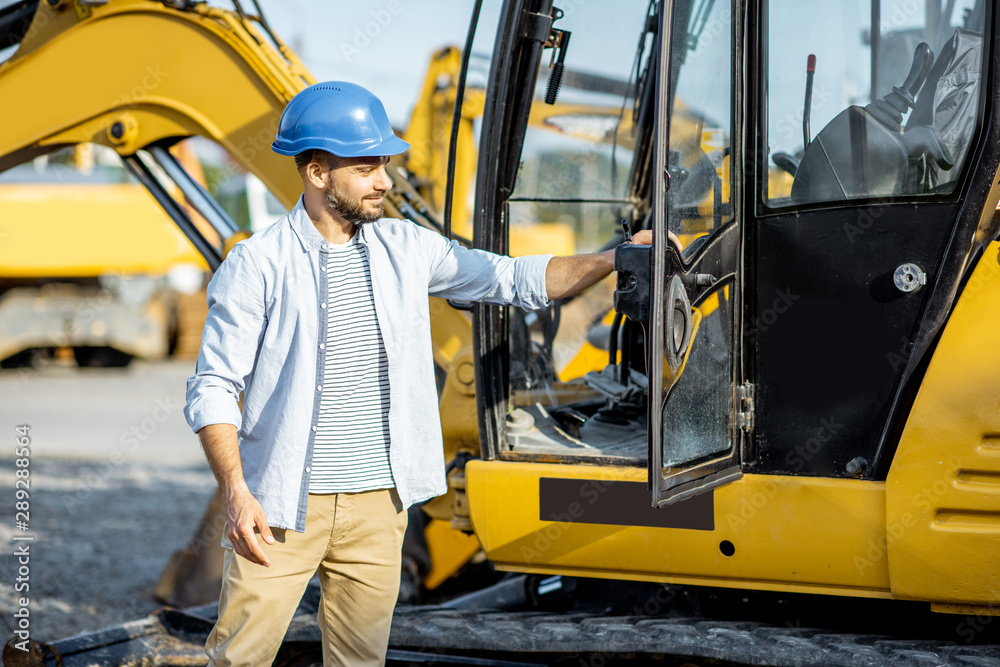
[
  {"x": 645, "y": 237},
  {"x": 566, "y": 276}
]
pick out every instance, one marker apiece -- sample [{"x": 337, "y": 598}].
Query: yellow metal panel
[
  {"x": 801, "y": 534},
  {"x": 451, "y": 332},
  {"x": 588, "y": 358},
  {"x": 542, "y": 238},
  {"x": 943, "y": 489},
  {"x": 429, "y": 136},
  {"x": 151, "y": 60},
  {"x": 85, "y": 230},
  {"x": 449, "y": 550},
  {"x": 965, "y": 609}
]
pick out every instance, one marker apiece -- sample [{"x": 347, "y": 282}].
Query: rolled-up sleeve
[
  {"x": 468, "y": 274},
  {"x": 230, "y": 342}
]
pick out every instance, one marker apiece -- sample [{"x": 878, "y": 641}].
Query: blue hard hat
[{"x": 339, "y": 117}]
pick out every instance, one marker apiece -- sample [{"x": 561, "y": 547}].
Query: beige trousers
[{"x": 353, "y": 541}]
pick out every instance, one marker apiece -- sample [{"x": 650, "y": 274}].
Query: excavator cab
[
  {"x": 796, "y": 312},
  {"x": 541, "y": 407},
  {"x": 826, "y": 167}
]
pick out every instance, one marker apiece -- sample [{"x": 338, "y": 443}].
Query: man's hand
[
  {"x": 566, "y": 276},
  {"x": 245, "y": 513},
  {"x": 222, "y": 450},
  {"x": 645, "y": 237}
]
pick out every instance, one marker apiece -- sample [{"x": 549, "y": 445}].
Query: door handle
[{"x": 677, "y": 321}]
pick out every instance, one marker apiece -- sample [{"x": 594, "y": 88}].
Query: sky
[{"x": 383, "y": 45}]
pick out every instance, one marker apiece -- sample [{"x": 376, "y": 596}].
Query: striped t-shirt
[{"x": 351, "y": 451}]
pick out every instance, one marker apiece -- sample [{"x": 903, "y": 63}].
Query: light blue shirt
[{"x": 265, "y": 335}]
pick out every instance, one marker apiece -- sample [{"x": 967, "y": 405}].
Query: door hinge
[
  {"x": 537, "y": 26},
  {"x": 744, "y": 406}
]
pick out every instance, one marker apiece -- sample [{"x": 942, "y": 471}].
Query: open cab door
[{"x": 700, "y": 407}]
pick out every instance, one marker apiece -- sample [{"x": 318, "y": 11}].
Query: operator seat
[
  {"x": 947, "y": 108},
  {"x": 864, "y": 151}
]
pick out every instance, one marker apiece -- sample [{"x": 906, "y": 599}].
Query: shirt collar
[{"x": 304, "y": 228}]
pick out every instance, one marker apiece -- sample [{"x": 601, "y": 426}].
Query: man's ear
[{"x": 314, "y": 174}]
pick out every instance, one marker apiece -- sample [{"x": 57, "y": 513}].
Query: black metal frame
[
  {"x": 176, "y": 212},
  {"x": 952, "y": 220},
  {"x": 507, "y": 105}
]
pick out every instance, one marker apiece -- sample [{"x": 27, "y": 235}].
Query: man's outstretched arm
[
  {"x": 566, "y": 276},
  {"x": 222, "y": 450}
]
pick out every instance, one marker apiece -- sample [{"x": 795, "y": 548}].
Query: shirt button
[
  {"x": 307, "y": 468},
  {"x": 322, "y": 305},
  {"x": 322, "y": 346},
  {"x": 314, "y": 428},
  {"x": 322, "y": 268},
  {"x": 319, "y": 388}
]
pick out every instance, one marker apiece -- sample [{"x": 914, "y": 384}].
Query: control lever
[
  {"x": 807, "y": 106},
  {"x": 890, "y": 109}
]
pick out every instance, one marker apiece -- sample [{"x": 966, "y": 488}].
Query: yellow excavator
[
  {"x": 800, "y": 407},
  {"x": 91, "y": 268}
]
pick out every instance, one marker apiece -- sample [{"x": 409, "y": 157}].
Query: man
[{"x": 322, "y": 321}]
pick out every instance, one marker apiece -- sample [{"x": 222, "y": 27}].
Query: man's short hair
[{"x": 325, "y": 158}]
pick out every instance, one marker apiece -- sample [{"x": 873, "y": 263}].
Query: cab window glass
[
  {"x": 700, "y": 121},
  {"x": 584, "y": 167},
  {"x": 870, "y": 99},
  {"x": 573, "y": 183}
]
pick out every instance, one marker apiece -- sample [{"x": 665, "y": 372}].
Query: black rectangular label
[{"x": 619, "y": 504}]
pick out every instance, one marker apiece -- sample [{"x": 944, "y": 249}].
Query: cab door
[
  {"x": 827, "y": 175},
  {"x": 700, "y": 407}
]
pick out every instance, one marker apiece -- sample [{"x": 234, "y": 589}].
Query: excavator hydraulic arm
[{"x": 141, "y": 75}]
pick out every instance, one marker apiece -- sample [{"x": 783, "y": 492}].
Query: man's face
[{"x": 357, "y": 187}]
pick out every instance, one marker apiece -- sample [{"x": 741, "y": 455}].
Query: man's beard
[{"x": 351, "y": 210}]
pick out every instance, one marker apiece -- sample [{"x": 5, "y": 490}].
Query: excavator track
[
  {"x": 596, "y": 640},
  {"x": 438, "y": 635}
]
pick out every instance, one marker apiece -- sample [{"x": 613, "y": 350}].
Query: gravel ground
[
  {"x": 102, "y": 536},
  {"x": 118, "y": 483}
]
